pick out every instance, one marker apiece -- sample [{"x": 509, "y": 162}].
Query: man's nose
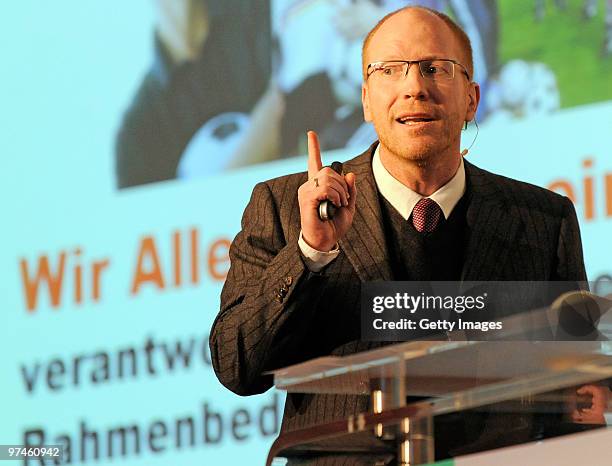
[{"x": 414, "y": 84}]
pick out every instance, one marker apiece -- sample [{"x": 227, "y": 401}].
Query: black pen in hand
[{"x": 327, "y": 209}]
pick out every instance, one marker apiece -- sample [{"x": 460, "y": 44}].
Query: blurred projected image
[
  {"x": 209, "y": 83},
  {"x": 548, "y": 48},
  {"x": 238, "y": 82}
]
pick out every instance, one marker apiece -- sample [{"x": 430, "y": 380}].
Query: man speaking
[{"x": 410, "y": 208}]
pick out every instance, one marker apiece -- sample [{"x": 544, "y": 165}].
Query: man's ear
[
  {"x": 473, "y": 100},
  {"x": 365, "y": 102}
]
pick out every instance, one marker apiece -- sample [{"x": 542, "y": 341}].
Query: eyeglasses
[{"x": 439, "y": 69}]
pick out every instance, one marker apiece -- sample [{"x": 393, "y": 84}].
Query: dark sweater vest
[
  {"x": 432, "y": 256},
  {"x": 436, "y": 256}
]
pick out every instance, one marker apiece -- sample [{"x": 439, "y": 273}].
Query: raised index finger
[{"x": 314, "y": 155}]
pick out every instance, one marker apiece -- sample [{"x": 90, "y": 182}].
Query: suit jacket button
[{"x": 288, "y": 280}]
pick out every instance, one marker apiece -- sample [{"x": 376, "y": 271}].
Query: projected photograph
[{"x": 237, "y": 83}]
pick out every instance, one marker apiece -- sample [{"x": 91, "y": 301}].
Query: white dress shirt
[{"x": 401, "y": 197}]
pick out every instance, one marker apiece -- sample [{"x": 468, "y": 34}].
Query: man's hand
[
  {"x": 599, "y": 405},
  {"x": 325, "y": 184}
]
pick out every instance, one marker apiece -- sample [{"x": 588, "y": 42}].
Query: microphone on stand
[{"x": 578, "y": 314}]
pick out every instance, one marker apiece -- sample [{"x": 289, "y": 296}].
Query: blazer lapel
[
  {"x": 364, "y": 244},
  {"x": 492, "y": 225},
  {"x": 491, "y": 222}
]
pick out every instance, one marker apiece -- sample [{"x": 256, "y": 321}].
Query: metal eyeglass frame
[{"x": 418, "y": 62}]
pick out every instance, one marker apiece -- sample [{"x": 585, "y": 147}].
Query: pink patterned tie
[{"x": 426, "y": 215}]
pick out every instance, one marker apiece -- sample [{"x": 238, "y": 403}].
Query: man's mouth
[{"x": 414, "y": 119}]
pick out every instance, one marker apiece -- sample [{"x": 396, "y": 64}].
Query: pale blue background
[{"x": 69, "y": 69}]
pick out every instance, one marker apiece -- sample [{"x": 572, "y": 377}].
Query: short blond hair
[{"x": 462, "y": 37}]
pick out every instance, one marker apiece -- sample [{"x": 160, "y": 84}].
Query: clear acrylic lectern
[{"x": 446, "y": 376}]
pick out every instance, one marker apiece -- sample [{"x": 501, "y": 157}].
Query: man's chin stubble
[{"x": 421, "y": 157}]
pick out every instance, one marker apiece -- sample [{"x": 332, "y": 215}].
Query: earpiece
[{"x": 464, "y": 152}]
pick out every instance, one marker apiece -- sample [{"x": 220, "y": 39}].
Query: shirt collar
[{"x": 403, "y": 199}]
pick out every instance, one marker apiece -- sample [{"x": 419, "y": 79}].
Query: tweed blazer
[{"x": 275, "y": 312}]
